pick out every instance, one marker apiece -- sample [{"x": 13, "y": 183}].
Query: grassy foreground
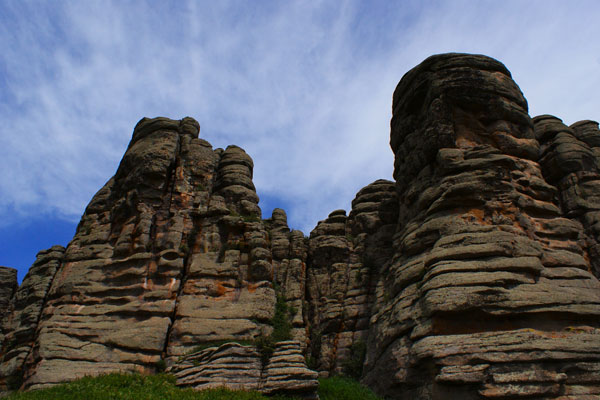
[{"x": 162, "y": 387}]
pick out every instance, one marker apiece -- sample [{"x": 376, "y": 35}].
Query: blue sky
[{"x": 304, "y": 87}]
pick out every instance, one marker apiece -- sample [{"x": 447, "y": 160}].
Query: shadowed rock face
[
  {"x": 570, "y": 159},
  {"x": 8, "y": 285},
  {"x": 20, "y": 323},
  {"x": 489, "y": 292},
  {"x": 473, "y": 275},
  {"x": 170, "y": 253}
]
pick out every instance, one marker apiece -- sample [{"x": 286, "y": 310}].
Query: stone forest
[{"x": 474, "y": 275}]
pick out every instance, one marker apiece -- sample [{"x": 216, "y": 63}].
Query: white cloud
[{"x": 304, "y": 87}]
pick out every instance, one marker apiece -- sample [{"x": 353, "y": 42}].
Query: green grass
[
  {"x": 162, "y": 387},
  {"x": 342, "y": 388},
  {"x": 133, "y": 387}
]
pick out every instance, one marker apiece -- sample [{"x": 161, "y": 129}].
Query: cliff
[{"x": 473, "y": 275}]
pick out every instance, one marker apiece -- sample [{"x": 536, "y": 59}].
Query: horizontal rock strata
[
  {"x": 20, "y": 323},
  {"x": 570, "y": 158},
  {"x": 240, "y": 367},
  {"x": 231, "y": 365},
  {"x": 473, "y": 275},
  {"x": 286, "y": 373},
  {"x": 489, "y": 293},
  {"x": 8, "y": 285},
  {"x": 345, "y": 255}
]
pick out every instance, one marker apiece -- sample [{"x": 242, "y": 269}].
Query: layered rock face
[
  {"x": 474, "y": 275},
  {"x": 241, "y": 367},
  {"x": 8, "y": 285},
  {"x": 489, "y": 293},
  {"x": 345, "y": 256},
  {"x": 570, "y": 158},
  {"x": 170, "y": 253},
  {"x": 20, "y": 322}
]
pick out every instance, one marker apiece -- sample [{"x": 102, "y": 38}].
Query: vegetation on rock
[{"x": 162, "y": 387}]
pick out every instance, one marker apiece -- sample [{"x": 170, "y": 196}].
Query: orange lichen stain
[
  {"x": 252, "y": 287},
  {"x": 179, "y": 173},
  {"x": 475, "y": 215},
  {"x": 221, "y": 290},
  {"x": 152, "y": 267}
]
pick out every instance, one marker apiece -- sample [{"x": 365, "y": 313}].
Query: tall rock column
[
  {"x": 227, "y": 293},
  {"x": 111, "y": 302},
  {"x": 570, "y": 159},
  {"x": 489, "y": 292},
  {"x": 21, "y": 321},
  {"x": 345, "y": 257},
  {"x": 8, "y": 285}
]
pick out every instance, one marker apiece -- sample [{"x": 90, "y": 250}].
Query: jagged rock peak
[
  {"x": 187, "y": 126},
  {"x": 457, "y": 100}
]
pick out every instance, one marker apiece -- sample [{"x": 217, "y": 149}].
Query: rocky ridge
[{"x": 474, "y": 275}]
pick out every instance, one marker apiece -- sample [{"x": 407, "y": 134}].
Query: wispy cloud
[{"x": 304, "y": 87}]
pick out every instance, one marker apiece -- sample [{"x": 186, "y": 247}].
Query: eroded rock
[
  {"x": 242, "y": 367},
  {"x": 487, "y": 273},
  {"x": 473, "y": 275}
]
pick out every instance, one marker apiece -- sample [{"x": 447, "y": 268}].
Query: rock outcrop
[
  {"x": 243, "y": 367},
  {"x": 570, "y": 159},
  {"x": 474, "y": 275},
  {"x": 345, "y": 256},
  {"x": 8, "y": 285},
  {"x": 490, "y": 292},
  {"x": 21, "y": 322}
]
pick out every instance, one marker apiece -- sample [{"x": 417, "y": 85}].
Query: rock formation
[
  {"x": 473, "y": 275},
  {"x": 8, "y": 278},
  {"x": 8, "y": 285},
  {"x": 241, "y": 367},
  {"x": 490, "y": 291}
]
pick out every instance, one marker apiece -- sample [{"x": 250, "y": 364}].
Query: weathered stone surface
[
  {"x": 345, "y": 255},
  {"x": 286, "y": 373},
  {"x": 21, "y": 321},
  {"x": 570, "y": 158},
  {"x": 8, "y": 285},
  {"x": 473, "y": 275},
  {"x": 230, "y": 365},
  {"x": 489, "y": 293},
  {"x": 171, "y": 252},
  {"x": 235, "y": 366}
]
